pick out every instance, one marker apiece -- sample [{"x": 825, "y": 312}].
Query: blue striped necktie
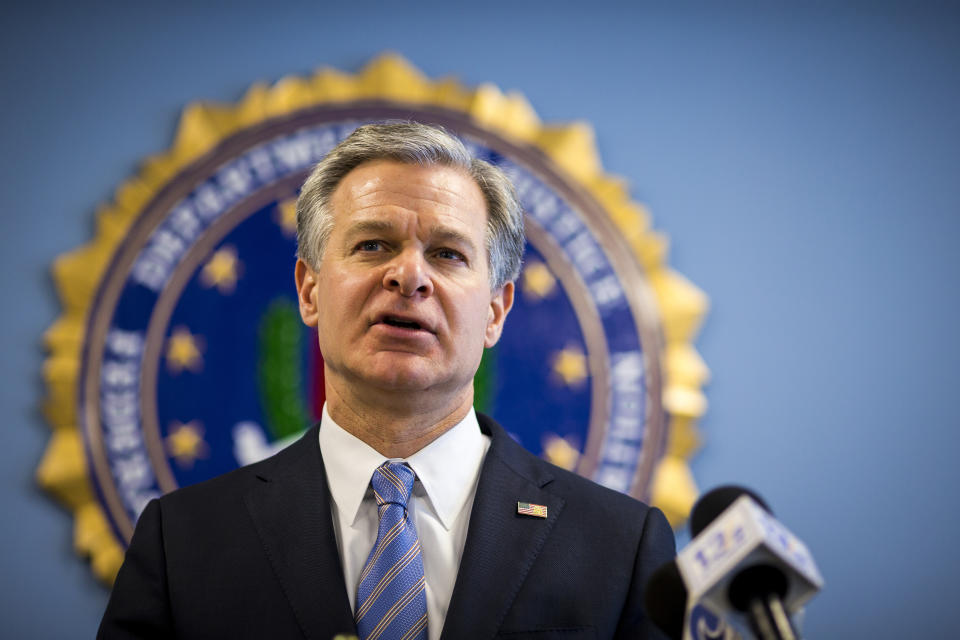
[{"x": 391, "y": 601}]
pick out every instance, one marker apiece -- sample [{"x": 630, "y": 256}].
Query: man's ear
[
  {"x": 306, "y": 279},
  {"x": 500, "y": 305}
]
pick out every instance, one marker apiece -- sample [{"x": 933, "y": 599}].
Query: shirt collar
[{"x": 447, "y": 468}]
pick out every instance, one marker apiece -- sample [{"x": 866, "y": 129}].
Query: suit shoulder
[
  {"x": 567, "y": 484},
  {"x": 570, "y": 483}
]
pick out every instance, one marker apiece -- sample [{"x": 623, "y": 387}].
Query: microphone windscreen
[
  {"x": 666, "y": 599},
  {"x": 760, "y": 580},
  {"x": 715, "y": 502}
]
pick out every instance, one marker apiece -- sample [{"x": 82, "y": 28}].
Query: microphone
[
  {"x": 715, "y": 502},
  {"x": 667, "y": 606},
  {"x": 666, "y": 600},
  {"x": 743, "y": 560}
]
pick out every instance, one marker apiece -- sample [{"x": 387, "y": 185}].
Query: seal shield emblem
[{"x": 181, "y": 356}]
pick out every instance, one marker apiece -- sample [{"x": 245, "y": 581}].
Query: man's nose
[{"x": 409, "y": 274}]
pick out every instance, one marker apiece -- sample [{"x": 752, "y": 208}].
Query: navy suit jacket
[{"x": 252, "y": 554}]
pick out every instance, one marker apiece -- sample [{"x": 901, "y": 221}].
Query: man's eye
[
  {"x": 369, "y": 245},
  {"x": 450, "y": 254}
]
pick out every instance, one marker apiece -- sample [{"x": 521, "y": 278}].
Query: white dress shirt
[{"x": 447, "y": 472}]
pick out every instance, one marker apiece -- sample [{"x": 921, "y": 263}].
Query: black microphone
[
  {"x": 714, "y": 502},
  {"x": 666, "y": 600},
  {"x": 743, "y": 560}
]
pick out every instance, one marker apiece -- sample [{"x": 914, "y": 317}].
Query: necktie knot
[{"x": 392, "y": 483}]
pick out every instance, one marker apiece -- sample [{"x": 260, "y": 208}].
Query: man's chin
[
  {"x": 412, "y": 380},
  {"x": 401, "y": 372},
  {"x": 400, "y": 377}
]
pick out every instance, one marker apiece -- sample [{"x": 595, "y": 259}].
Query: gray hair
[{"x": 412, "y": 143}]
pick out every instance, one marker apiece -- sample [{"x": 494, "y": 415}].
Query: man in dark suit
[{"x": 403, "y": 514}]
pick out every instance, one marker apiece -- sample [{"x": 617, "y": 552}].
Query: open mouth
[{"x": 403, "y": 324}]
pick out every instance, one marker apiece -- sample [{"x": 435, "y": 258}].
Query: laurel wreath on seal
[{"x": 77, "y": 274}]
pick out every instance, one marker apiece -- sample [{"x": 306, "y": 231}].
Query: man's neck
[{"x": 396, "y": 430}]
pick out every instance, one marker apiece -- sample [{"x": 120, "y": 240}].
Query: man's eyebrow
[
  {"x": 368, "y": 226},
  {"x": 437, "y": 233},
  {"x": 446, "y": 234}
]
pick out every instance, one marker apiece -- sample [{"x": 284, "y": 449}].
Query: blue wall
[{"x": 805, "y": 160}]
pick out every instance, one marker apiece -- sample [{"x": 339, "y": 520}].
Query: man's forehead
[
  {"x": 384, "y": 179},
  {"x": 381, "y": 194}
]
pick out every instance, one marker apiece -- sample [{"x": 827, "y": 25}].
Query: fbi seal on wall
[{"x": 180, "y": 354}]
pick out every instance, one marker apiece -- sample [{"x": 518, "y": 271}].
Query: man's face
[{"x": 401, "y": 297}]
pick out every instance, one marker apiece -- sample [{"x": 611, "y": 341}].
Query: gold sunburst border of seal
[{"x": 76, "y": 274}]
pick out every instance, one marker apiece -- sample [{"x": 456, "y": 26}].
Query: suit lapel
[
  {"x": 501, "y": 545},
  {"x": 290, "y": 508}
]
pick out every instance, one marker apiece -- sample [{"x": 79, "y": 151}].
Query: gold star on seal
[
  {"x": 560, "y": 451},
  {"x": 538, "y": 282},
  {"x": 287, "y": 217},
  {"x": 222, "y": 270},
  {"x": 185, "y": 443},
  {"x": 571, "y": 365},
  {"x": 184, "y": 351}
]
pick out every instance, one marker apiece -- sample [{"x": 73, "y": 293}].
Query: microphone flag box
[{"x": 745, "y": 535}]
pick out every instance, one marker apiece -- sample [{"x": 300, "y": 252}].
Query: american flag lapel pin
[{"x": 529, "y": 509}]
